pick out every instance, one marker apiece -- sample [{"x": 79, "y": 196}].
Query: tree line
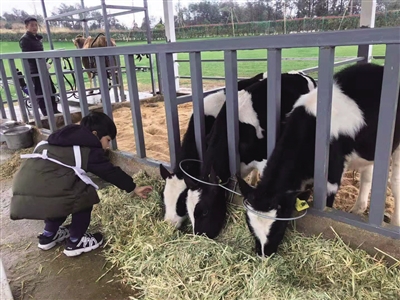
[
  {"x": 214, "y": 12},
  {"x": 220, "y": 12}
]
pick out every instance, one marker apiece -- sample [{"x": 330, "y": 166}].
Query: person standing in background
[{"x": 32, "y": 41}]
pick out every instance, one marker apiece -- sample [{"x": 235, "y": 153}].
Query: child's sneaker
[
  {"x": 87, "y": 243},
  {"x": 48, "y": 242}
]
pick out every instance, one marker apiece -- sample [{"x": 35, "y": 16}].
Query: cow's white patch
[
  {"x": 354, "y": 162},
  {"x": 213, "y": 103},
  {"x": 173, "y": 188},
  {"x": 395, "y": 186},
  {"x": 346, "y": 117},
  {"x": 193, "y": 198},
  {"x": 247, "y": 113},
  {"x": 261, "y": 226},
  {"x": 265, "y": 75},
  {"x": 332, "y": 188},
  {"x": 245, "y": 169}
]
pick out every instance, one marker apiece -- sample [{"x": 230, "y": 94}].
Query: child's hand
[{"x": 142, "y": 191}]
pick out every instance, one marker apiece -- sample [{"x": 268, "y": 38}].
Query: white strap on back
[
  {"x": 78, "y": 157},
  {"x": 78, "y": 163}
]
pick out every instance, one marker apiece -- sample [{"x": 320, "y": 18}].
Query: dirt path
[{"x": 37, "y": 274}]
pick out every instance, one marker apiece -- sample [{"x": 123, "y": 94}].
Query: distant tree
[
  {"x": 152, "y": 21},
  {"x": 18, "y": 16},
  {"x": 69, "y": 22},
  {"x": 159, "y": 25}
]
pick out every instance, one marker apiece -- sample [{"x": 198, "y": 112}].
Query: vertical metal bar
[
  {"x": 198, "y": 103},
  {"x": 120, "y": 80},
  {"x": 171, "y": 109},
  {"x": 273, "y": 98},
  {"x": 47, "y": 92},
  {"x": 7, "y": 91},
  {"x": 135, "y": 105},
  {"x": 232, "y": 111},
  {"x": 322, "y": 135},
  {"x": 32, "y": 95},
  {"x": 47, "y": 26},
  {"x": 110, "y": 58},
  {"x": 158, "y": 74},
  {"x": 85, "y": 23},
  {"x": 363, "y": 51},
  {"x": 18, "y": 90},
  {"x": 106, "y": 24},
  {"x": 105, "y": 95},
  {"x": 81, "y": 86},
  {"x": 148, "y": 36},
  {"x": 2, "y": 110},
  {"x": 384, "y": 140},
  {"x": 112, "y": 63},
  {"x": 62, "y": 91}
]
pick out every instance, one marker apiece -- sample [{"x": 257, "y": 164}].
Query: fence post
[
  {"x": 384, "y": 138},
  {"x": 62, "y": 91},
  {"x": 47, "y": 91},
  {"x": 198, "y": 102},
  {"x": 232, "y": 110},
  {"x": 105, "y": 94},
  {"x": 323, "y": 124},
  {"x": 21, "y": 101},
  {"x": 7, "y": 91},
  {"x": 135, "y": 105},
  {"x": 80, "y": 83},
  {"x": 273, "y": 98},
  {"x": 32, "y": 94},
  {"x": 171, "y": 109},
  {"x": 2, "y": 110}
]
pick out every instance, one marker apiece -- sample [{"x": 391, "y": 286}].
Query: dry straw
[
  {"x": 159, "y": 262},
  {"x": 9, "y": 167}
]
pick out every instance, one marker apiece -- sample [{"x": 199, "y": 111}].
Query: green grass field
[{"x": 245, "y": 69}]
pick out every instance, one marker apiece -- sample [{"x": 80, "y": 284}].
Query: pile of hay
[
  {"x": 159, "y": 262},
  {"x": 8, "y": 168}
]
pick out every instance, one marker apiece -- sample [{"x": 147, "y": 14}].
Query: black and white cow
[
  {"x": 175, "y": 191},
  {"x": 206, "y": 205},
  {"x": 355, "y": 108}
]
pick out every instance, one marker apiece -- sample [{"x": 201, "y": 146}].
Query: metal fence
[{"x": 274, "y": 44}]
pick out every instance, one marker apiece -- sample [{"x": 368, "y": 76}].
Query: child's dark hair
[
  {"x": 101, "y": 123},
  {"x": 29, "y": 19}
]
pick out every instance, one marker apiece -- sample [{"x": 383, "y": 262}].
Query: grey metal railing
[{"x": 274, "y": 44}]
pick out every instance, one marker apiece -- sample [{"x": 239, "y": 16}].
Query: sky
[{"x": 32, "y": 6}]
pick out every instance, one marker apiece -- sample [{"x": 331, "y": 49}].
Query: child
[{"x": 52, "y": 184}]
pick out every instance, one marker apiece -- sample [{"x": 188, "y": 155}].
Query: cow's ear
[{"x": 164, "y": 172}]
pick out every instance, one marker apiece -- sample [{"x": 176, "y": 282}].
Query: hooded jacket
[{"x": 43, "y": 189}]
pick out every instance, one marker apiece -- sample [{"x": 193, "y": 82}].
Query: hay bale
[{"x": 159, "y": 262}]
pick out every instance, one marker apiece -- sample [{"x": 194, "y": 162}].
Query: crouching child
[{"x": 52, "y": 184}]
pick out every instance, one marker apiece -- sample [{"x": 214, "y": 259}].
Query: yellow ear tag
[{"x": 301, "y": 205}]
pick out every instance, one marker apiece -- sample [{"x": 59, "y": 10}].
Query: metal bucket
[
  {"x": 5, "y": 125},
  {"x": 19, "y": 137}
]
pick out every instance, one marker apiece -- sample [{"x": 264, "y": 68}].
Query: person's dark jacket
[
  {"x": 43, "y": 189},
  {"x": 98, "y": 163},
  {"x": 29, "y": 43}
]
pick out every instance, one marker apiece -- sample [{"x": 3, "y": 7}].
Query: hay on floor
[
  {"x": 8, "y": 168},
  {"x": 159, "y": 262}
]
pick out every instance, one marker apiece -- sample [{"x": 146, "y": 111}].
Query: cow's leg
[
  {"x": 395, "y": 186},
  {"x": 365, "y": 187}
]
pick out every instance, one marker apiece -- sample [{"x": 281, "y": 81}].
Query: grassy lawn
[{"x": 245, "y": 69}]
